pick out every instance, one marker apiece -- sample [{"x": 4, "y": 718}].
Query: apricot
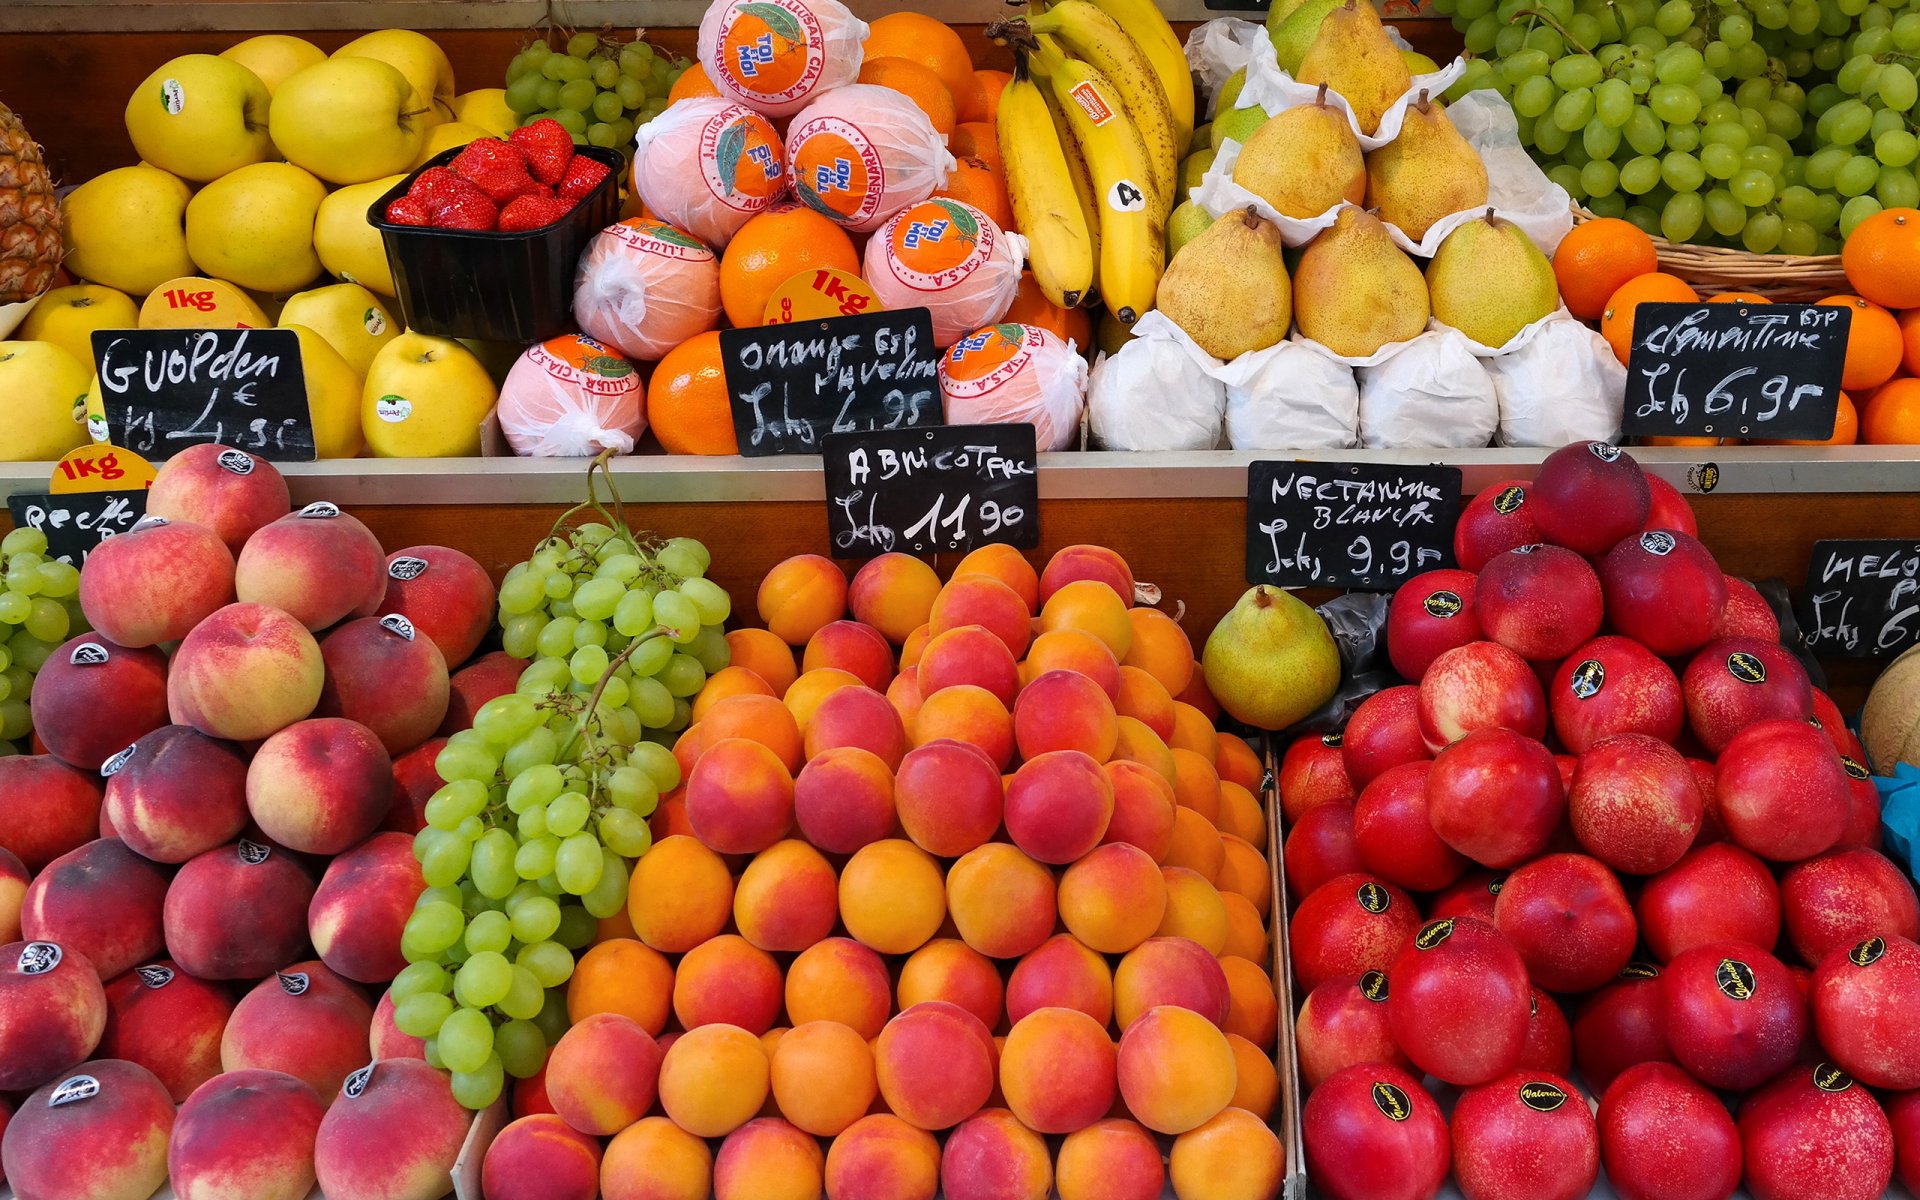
[
  {"x": 1246, "y": 929},
  {"x": 857, "y": 716},
  {"x": 654, "y": 1159},
  {"x": 762, "y": 652},
  {"x": 881, "y": 1157},
  {"x": 1196, "y": 785},
  {"x": 1160, "y": 648},
  {"x": 1064, "y": 710},
  {"x": 756, "y": 718},
  {"x": 1252, "y": 1011},
  {"x": 726, "y": 683},
  {"x": 1194, "y": 910},
  {"x": 624, "y": 977},
  {"x": 603, "y": 1074},
  {"x": 905, "y": 696},
  {"x": 767, "y": 1159},
  {"x": 1170, "y": 971},
  {"x": 969, "y": 655},
  {"x": 934, "y": 1063},
  {"x": 787, "y": 898},
  {"x": 891, "y": 896},
  {"x": 1113, "y": 1159},
  {"x": 1057, "y": 1070},
  {"x": 1113, "y": 899},
  {"x": 1237, "y": 762},
  {"x": 1196, "y": 844},
  {"x": 914, "y": 647},
  {"x": 540, "y": 1157},
  {"x": 853, "y": 647},
  {"x": 1134, "y": 742},
  {"x": 1146, "y": 700},
  {"x": 969, "y": 714},
  {"x": 1090, "y": 607},
  {"x": 1006, "y": 564},
  {"x": 983, "y": 600},
  {"x": 893, "y": 593},
  {"x": 823, "y": 1078},
  {"x": 949, "y": 797},
  {"x": 1196, "y": 696},
  {"x": 1244, "y": 870},
  {"x": 1002, "y": 902},
  {"x": 1062, "y": 973},
  {"x": 713, "y": 1079},
  {"x": 949, "y": 969},
  {"x": 740, "y": 796},
  {"x": 1241, "y": 813},
  {"x": 1058, "y": 806},
  {"x": 1256, "y": 1085},
  {"x": 1175, "y": 1069},
  {"x": 803, "y": 699},
  {"x": 1143, "y": 809},
  {"x": 800, "y": 595},
  {"x": 994, "y": 1157},
  {"x": 1070, "y": 563},
  {"x": 1193, "y": 730},
  {"x": 839, "y": 980},
  {"x": 1074, "y": 650},
  {"x": 843, "y": 799},
  {"x": 727, "y": 981},
  {"x": 1234, "y": 1156},
  {"x": 680, "y": 894}
]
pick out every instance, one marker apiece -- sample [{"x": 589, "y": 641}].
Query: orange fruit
[
  {"x": 1892, "y": 417},
  {"x": 1031, "y": 307},
  {"x": 979, "y": 183},
  {"x": 989, "y": 85},
  {"x": 1596, "y": 259},
  {"x": 921, "y": 39},
  {"x": 1685, "y": 441},
  {"x": 692, "y": 82},
  {"x": 1616, "y": 315},
  {"x": 1874, "y": 344},
  {"x": 687, "y": 399},
  {"x": 1910, "y": 340},
  {"x": 1738, "y": 298},
  {"x": 1846, "y": 429},
  {"x": 918, "y": 84},
  {"x": 1882, "y": 258},
  {"x": 976, "y": 139},
  {"x": 773, "y": 247}
]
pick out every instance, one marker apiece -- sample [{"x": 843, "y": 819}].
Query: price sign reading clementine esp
[{"x": 820, "y": 293}]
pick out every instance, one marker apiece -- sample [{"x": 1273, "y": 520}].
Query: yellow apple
[
  {"x": 350, "y": 248},
  {"x": 447, "y": 137},
  {"x": 196, "y": 302},
  {"x": 350, "y": 317},
  {"x": 349, "y": 120},
  {"x": 487, "y": 108},
  {"x": 125, "y": 229},
  {"x": 255, "y": 227},
  {"x": 67, "y": 317},
  {"x": 418, "y": 57},
  {"x": 274, "y": 56},
  {"x": 425, "y": 397},
  {"x": 200, "y": 116},
  {"x": 333, "y": 396},
  {"x": 45, "y": 389}
]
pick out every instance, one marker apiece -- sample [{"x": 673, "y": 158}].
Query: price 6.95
[{"x": 1740, "y": 396}]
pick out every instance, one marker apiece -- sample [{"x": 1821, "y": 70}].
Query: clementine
[
  {"x": 1874, "y": 343},
  {"x": 687, "y": 402},
  {"x": 1892, "y": 417},
  {"x": 1882, "y": 258},
  {"x": 921, "y": 39},
  {"x": 1594, "y": 260},
  {"x": 1616, "y": 316},
  {"x": 918, "y": 84},
  {"x": 771, "y": 248}
]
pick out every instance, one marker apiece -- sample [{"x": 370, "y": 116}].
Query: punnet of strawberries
[{"x": 526, "y": 181}]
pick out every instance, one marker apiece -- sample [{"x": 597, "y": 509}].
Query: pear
[
  {"x": 1353, "y": 54},
  {"x": 1238, "y": 124},
  {"x": 1271, "y": 661},
  {"x": 1277, "y": 14},
  {"x": 1184, "y": 224},
  {"x": 1426, "y": 173},
  {"x": 1489, "y": 280},
  {"x": 1228, "y": 288},
  {"x": 1355, "y": 290},
  {"x": 1193, "y": 169},
  {"x": 1297, "y": 31},
  {"x": 1304, "y": 161}
]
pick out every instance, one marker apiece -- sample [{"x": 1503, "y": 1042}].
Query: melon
[{"x": 1890, "y": 723}]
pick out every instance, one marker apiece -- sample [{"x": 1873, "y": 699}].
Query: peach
[
  {"x": 1234, "y": 1156},
  {"x": 905, "y": 695},
  {"x": 1160, "y": 648},
  {"x": 1006, "y": 564},
  {"x": 950, "y": 970},
  {"x": 804, "y": 697},
  {"x": 893, "y": 593},
  {"x": 1070, "y": 563},
  {"x": 1256, "y": 1086},
  {"x": 713, "y": 1079},
  {"x": 843, "y": 799},
  {"x": 839, "y": 980},
  {"x": 246, "y": 671},
  {"x": 180, "y": 793},
  {"x": 881, "y": 1157},
  {"x": 914, "y": 646},
  {"x": 52, "y": 1013},
  {"x": 726, "y": 683},
  {"x": 1143, "y": 804},
  {"x": 767, "y": 1159},
  {"x": 47, "y": 808},
  {"x": 102, "y": 901},
  {"x": 983, "y": 600},
  {"x": 1145, "y": 699},
  {"x": 1057, "y": 1070},
  {"x": 1134, "y": 742},
  {"x": 1237, "y": 762},
  {"x": 479, "y": 681},
  {"x": 680, "y": 894},
  {"x": 155, "y": 582},
  {"x": 765, "y": 655},
  {"x": 727, "y": 981},
  {"x": 800, "y": 595},
  {"x": 305, "y": 1021},
  {"x": 740, "y": 796},
  {"x": 541, "y": 1157},
  {"x": 1062, "y": 973},
  {"x": 99, "y": 1134},
  {"x": 1196, "y": 785},
  {"x": 1077, "y": 651},
  {"x": 892, "y": 898},
  {"x": 1113, "y": 899},
  {"x": 384, "y": 1039},
  {"x": 822, "y": 1077},
  {"x": 394, "y": 1136},
  {"x": 1197, "y": 697},
  {"x": 967, "y": 714},
  {"x": 1113, "y": 1159},
  {"x": 1196, "y": 844},
  {"x": 1170, "y": 971},
  {"x": 320, "y": 785},
  {"x": 603, "y": 1074},
  {"x": 319, "y": 565},
  {"x": 1058, "y": 806},
  {"x": 857, "y": 716},
  {"x": 1194, "y": 910},
  {"x": 949, "y": 797},
  {"x": 361, "y": 906},
  {"x": 229, "y": 491},
  {"x": 1176, "y": 1069},
  {"x": 445, "y": 594},
  {"x": 247, "y": 1135},
  {"x": 934, "y": 1064},
  {"x": 1090, "y": 607},
  {"x": 853, "y": 647},
  {"x": 1246, "y": 929},
  {"x": 1064, "y": 710},
  {"x": 1193, "y": 730},
  {"x": 1002, "y": 901},
  {"x": 13, "y": 893},
  {"x": 237, "y": 912},
  {"x": 994, "y": 1157},
  {"x": 969, "y": 655},
  {"x": 1244, "y": 870},
  {"x": 654, "y": 1159},
  {"x": 388, "y": 677},
  {"x": 622, "y": 976},
  {"x": 1252, "y": 1011},
  {"x": 93, "y": 698},
  {"x": 757, "y": 719},
  {"x": 1241, "y": 814},
  {"x": 787, "y": 898}
]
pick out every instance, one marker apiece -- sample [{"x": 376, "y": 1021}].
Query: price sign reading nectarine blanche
[
  {"x": 1348, "y": 525},
  {"x": 1862, "y": 598},
  {"x": 1764, "y": 371},
  {"x": 926, "y": 491},
  {"x": 167, "y": 389}
]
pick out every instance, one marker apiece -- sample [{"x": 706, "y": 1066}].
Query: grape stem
[
  {"x": 1553, "y": 24},
  {"x": 593, "y": 698}
]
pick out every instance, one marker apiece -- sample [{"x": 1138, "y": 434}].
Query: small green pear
[
  {"x": 1238, "y": 124},
  {"x": 1271, "y": 660},
  {"x": 1489, "y": 280},
  {"x": 1184, "y": 224}
]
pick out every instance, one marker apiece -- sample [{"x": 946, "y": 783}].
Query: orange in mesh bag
[
  {"x": 571, "y": 397},
  {"x": 1008, "y": 374},
  {"x": 949, "y": 257},
  {"x": 707, "y": 165},
  {"x": 775, "y": 55},
  {"x": 861, "y": 153},
  {"x": 644, "y": 287}
]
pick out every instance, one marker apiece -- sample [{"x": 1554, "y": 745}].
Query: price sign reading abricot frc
[
  {"x": 77, "y": 522},
  {"x": 1736, "y": 370},
  {"x": 924, "y": 491},
  {"x": 792, "y": 385},
  {"x": 1862, "y": 598},
  {"x": 167, "y": 389},
  {"x": 1348, "y": 525}
]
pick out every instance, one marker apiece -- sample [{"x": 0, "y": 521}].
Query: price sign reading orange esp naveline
[
  {"x": 100, "y": 467},
  {"x": 822, "y": 292}
]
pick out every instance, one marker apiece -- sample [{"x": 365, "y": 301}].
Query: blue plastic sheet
[{"x": 1900, "y": 815}]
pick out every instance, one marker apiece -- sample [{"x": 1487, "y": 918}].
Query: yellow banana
[
  {"x": 1132, "y": 242},
  {"x": 1147, "y": 25},
  {"x": 1040, "y": 184},
  {"x": 1095, "y": 39},
  {"x": 1082, "y": 180}
]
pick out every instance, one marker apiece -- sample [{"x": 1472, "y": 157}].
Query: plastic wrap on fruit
[
  {"x": 1562, "y": 385},
  {"x": 861, "y": 153},
  {"x": 707, "y": 165},
  {"x": 644, "y": 287},
  {"x": 1008, "y": 374},
  {"x": 1431, "y": 392},
  {"x": 571, "y": 397},
  {"x": 1358, "y": 623},
  {"x": 950, "y": 258}
]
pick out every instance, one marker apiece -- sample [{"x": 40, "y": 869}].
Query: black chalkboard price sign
[
  {"x": 77, "y": 522},
  {"x": 1736, "y": 370},
  {"x": 925, "y": 491},
  {"x": 1348, "y": 525},
  {"x": 1862, "y": 598},
  {"x": 167, "y": 389},
  {"x": 792, "y": 385}
]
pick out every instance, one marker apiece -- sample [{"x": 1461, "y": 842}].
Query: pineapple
[{"x": 29, "y": 215}]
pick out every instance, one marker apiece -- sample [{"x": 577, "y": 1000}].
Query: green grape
[
  {"x": 522, "y": 593},
  {"x": 583, "y": 44},
  {"x": 600, "y": 133},
  {"x": 588, "y": 664},
  {"x": 598, "y": 598},
  {"x": 1821, "y": 98},
  {"x": 491, "y": 865},
  {"x": 659, "y": 764},
  {"x": 1897, "y": 87},
  {"x": 1567, "y": 177},
  {"x": 1896, "y": 188},
  {"x": 536, "y": 749},
  {"x": 683, "y": 677},
  {"x": 1782, "y": 120},
  {"x": 1829, "y": 215},
  {"x": 1644, "y": 131},
  {"x": 1673, "y": 17},
  {"x": 1905, "y": 32},
  {"x": 1678, "y": 64},
  {"x": 24, "y": 580},
  {"x": 504, "y": 720},
  {"x": 1803, "y": 18},
  {"x": 1857, "y": 176},
  {"x": 520, "y": 634},
  {"x": 577, "y": 928},
  {"x": 1798, "y": 237},
  {"x": 1749, "y": 61},
  {"x": 418, "y": 979},
  {"x": 525, "y": 997},
  {"x": 478, "y": 1088},
  {"x": 1823, "y": 166},
  {"x": 522, "y": 1048},
  {"x": 1856, "y": 210},
  {"x": 454, "y": 803},
  {"x": 482, "y": 980},
  {"x": 625, "y": 833},
  {"x": 535, "y": 918},
  {"x": 1576, "y": 71},
  {"x": 541, "y": 677},
  {"x": 1681, "y": 217},
  {"x": 531, "y": 824},
  {"x": 466, "y": 760},
  {"x": 549, "y": 962},
  {"x": 608, "y": 895},
  {"x": 421, "y": 1015},
  {"x": 1684, "y": 137},
  {"x": 1725, "y": 133},
  {"x": 1718, "y": 56},
  {"x": 1613, "y": 103},
  {"x": 1752, "y": 188},
  {"x": 606, "y": 73},
  {"x": 1770, "y": 14},
  {"x": 1483, "y": 34},
  {"x": 1638, "y": 176},
  {"x": 1651, "y": 40},
  {"x": 570, "y": 69},
  {"x": 589, "y": 633},
  {"x": 687, "y": 557},
  {"x": 535, "y": 786},
  {"x": 675, "y": 612},
  {"x": 465, "y": 1039},
  {"x": 1534, "y": 96},
  {"x": 1764, "y": 159},
  {"x": 710, "y": 600},
  {"x": 433, "y": 927},
  {"x": 536, "y": 856},
  {"x": 489, "y": 930},
  {"x": 15, "y": 607},
  {"x": 568, "y": 815},
  {"x": 1682, "y": 173},
  {"x": 58, "y": 579},
  {"x": 556, "y": 640},
  {"x": 1599, "y": 140},
  {"x": 1857, "y": 75},
  {"x": 578, "y": 865},
  {"x": 1797, "y": 203},
  {"x": 1762, "y": 233},
  {"x": 1875, "y": 41},
  {"x": 1725, "y": 215},
  {"x": 1673, "y": 103},
  {"x": 523, "y": 94},
  {"x": 47, "y": 620},
  {"x": 1719, "y": 162},
  {"x": 23, "y": 540},
  {"x": 1736, "y": 31},
  {"x": 1547, "y": 39}
]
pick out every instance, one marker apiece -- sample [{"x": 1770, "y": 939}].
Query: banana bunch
[{"x": 1091, "y": 129}]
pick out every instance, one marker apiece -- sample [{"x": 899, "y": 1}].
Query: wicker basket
[{"x": 1714, "y": 269}]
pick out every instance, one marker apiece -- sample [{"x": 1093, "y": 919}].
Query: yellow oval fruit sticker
[
  {"x": 820, "y": 292},
  {"x": 100, "y": 467}
]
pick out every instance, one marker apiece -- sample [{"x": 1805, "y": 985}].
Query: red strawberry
[
  {"x": 408, "y": 211},
  {"x": 471, "y": 211},
  {"x": 532, "y": 212},
  {"x": 436, "y": 184},
  {"x": 496, "y": 168},
  {"x": 548, "y": 147},
  {"x": 583, "y": 175}
]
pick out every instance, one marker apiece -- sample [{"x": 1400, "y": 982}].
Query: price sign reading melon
[{"x": 1862, "y": 598}]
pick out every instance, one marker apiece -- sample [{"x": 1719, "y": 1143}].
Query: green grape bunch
[
  {"x": 601, "y": 89},
  {"x": 39, "y": 609},
  {"x": 1767, "y": 125}
]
